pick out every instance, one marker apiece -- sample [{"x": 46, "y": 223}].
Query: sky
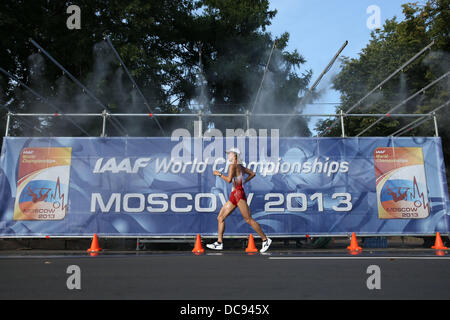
[{"x": 319, "y": 28}]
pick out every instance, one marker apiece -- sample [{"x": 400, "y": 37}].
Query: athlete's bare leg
[
  {"x": 226, "y": 210},
  {"x": 245, "y": 211}
]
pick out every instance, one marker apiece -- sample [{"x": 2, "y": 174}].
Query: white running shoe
[
  {"x": 215, "y": 246},
  {"x": 265, "y": 245}
]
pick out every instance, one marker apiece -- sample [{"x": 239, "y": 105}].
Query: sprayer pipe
[
  {"x": 8, "y": 118},
  {"x": 41, "y": 98},
  {"x": 58, "y": 114},
  {"x": 392, "y": 75},
  {"x": 405, "y": 101},
  {"x": 385, "y": 80},
  {"x": 83, "y": 87},
  {"x": 419, "y": 121},
  {"x": 132, "y": 81},
  {"x": 328, "y": 67},
  {"x": 393, "y": 115},
  {"x": 264, "y": 75},
  {"x": 411, "y": 128}
]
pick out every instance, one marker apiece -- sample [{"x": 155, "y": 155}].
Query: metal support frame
[
  {"x": 8, "y": 117},
  {"x": 436, "y": 132},
  {"x": 200, "y": 116},
  {"x": 342, "y": 123},
  {"x": 200, "y": 122},
  {"x": 104, "y": 115},
  {"x": 203, "y": 115},
  {"x": 247, "y": 120},
  {"x": 192, "y": 115}
]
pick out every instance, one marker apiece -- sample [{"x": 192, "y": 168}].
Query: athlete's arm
[
  {"x": 231, "y": 171},
  {"x": 250, "y": 173}
]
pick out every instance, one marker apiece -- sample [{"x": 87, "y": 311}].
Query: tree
[
  {"x": 143, "y": 30},
  {"x": 181, "y": 53},
  {"x": 235, "y": 52},
  {"x": 388, "y": 49}
]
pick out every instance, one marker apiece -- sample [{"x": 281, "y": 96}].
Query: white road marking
[{"x": 359, "y": 258}]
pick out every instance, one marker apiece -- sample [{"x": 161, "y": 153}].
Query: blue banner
[{"x": 165, "y": 186}]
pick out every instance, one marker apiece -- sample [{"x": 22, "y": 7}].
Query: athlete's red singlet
[{"x": 238, "y": 192}]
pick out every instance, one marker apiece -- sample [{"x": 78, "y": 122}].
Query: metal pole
[
  {"x": 247, "y": 117},
  {"x": 436, "y": 132},
  {"x": 384, "y": 81},
  {"x": 342, "y": 123},
  {"x": 58, "y": 114},
  {"x": 7, "y": 123},
  {"x": 327, "y": 68},
  {"x": 264, "y": 75},
  {"x": 200, "y": 120},
  {"x": 380, "y": 115},
  {"x": 104, "y": 123}
]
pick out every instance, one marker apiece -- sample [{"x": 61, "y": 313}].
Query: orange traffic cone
[
  {"x": 438, "y": 244},
  {"x": 354, "y": 244},
  {"x": 94, "y": 245},
  {"x": 251, "y": 245},
  {"x": 198, "y": 246}
]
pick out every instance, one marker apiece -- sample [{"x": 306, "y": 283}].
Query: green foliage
[
  {"x": 179, "y": 52},
  {"x": 388, "y": 49}
]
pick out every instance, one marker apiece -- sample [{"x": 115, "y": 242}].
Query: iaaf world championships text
[{"x": 185, "y": 160}]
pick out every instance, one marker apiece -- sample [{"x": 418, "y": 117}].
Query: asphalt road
[{"x": 226, "y": 276}]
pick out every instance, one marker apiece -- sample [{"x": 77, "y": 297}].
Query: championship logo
[
  {"x": 401, "y": 183},
  {"x": 43, "y": 184}
]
